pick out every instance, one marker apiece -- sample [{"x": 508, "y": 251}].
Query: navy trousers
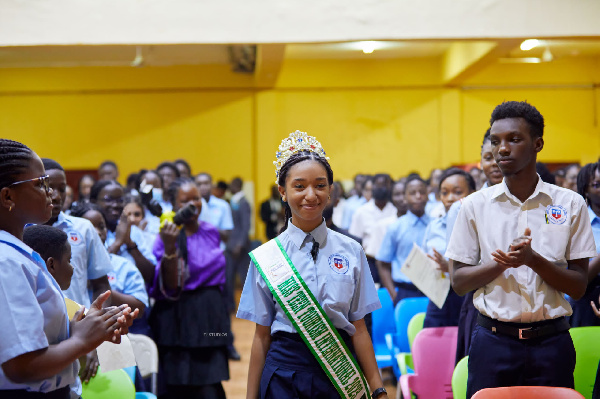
[{"x": 497, "y": 360}]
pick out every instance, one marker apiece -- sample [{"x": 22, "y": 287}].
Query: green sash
[{"x": 309, "y": 319}]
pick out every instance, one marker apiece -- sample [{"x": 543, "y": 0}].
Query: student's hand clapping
[
  {"x": 102, "y": 324},
  {"x": 123, "y": 231},
  {"x": 520, "y": 252},
  {"x": 169, "y": 234},
  {"x": 89, "y": 366},
  {"x": 440, "y": 260}
]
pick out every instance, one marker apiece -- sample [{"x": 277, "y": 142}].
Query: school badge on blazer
[
  {"x": 75, "y": 238},
  {"x": 339, "y": 263},
  {"x": 556, "y": 214}
]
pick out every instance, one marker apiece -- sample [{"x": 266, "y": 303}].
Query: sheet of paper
[
  {"x": 113, "y": 357},
  {"x": 424, "y": 273}
]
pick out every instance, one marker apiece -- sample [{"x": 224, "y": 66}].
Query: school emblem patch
[
  {"x": 75, "y": 238},
  {"x": 556, "y": 214},
  {"x": 339, "y": 263}
]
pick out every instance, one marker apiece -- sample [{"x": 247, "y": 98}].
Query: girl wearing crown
[{"x": 308, "y": 291}]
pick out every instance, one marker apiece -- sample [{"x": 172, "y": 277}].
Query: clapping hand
[{"x": 519, "y": 252}]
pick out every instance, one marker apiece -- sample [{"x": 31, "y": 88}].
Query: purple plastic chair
[{"x": 434, "y": 354}]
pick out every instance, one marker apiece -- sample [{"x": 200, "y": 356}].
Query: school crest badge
[
  {"x": 556, "y": 214},
  {"x": 339, "y": 263},
  {"x": 75, "y": 238}
]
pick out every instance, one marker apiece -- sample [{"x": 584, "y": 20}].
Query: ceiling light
[
  {"x": 529, "y": 44},
  {"x": 368, "y": 47}
]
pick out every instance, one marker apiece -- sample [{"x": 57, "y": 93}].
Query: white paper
[
  {"x": 113, "y": 357},
  {"x": 424, "y": 273}
]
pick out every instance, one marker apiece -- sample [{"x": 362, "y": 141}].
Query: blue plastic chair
[
  {"x": 138, "y": 395},
  {"x": 398, "y": 342},
  {"x": 383, "y": 323}
]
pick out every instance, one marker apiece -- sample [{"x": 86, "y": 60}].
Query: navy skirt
[
  {"x": 191, "y": 334},
  {"x": 291, "y": 370}
]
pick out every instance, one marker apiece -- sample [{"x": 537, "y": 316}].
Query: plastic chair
[
  {"x": 138, "y": 395},
  {"x": 587, "y": 348},
  {"x": 383, "y": 323},
  {"x": 146, "y": 356},
  {"x": 113, "y": 384},
  {"x": 434, "y": 353},
  {"x": 414, "y": 326},
  {"x": 459, "y": 378},
  {"x": 405, "y": 310},
  {"x": 527, "y": 393}
]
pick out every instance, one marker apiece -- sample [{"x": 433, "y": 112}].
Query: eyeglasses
[
  {"x": 115, "y": 201},
  {"x": 44, "y": 182},
  {"x": 595, "y": 185}
]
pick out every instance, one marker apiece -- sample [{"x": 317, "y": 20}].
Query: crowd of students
[{"x": 160, "y": 257}]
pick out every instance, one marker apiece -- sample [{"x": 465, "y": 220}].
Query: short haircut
[
  {"x": 486, "y": 137},
  {"x": 47, "y": 241},
  {"x": 169, "y": 165},
  {"x": 413, "y": 177},
  {"x": 99, "y": 185},
  {"x": 222, "y": 185},
  {"x": 205, "y": 174},
  {"x": 383, "y": 175},
  {"x": 50, "y": 164},
  {"x": 184, "y": 163},
  {"x": 585, "y": 175},
  {"x": 456, "y": 171},
  {"x": 108, "y": 163},
  {"x": 520, "y": 109},
  {"x": 84, "y": 207}
]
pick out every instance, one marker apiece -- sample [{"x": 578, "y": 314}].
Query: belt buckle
[{"x": 521, "y": 332}]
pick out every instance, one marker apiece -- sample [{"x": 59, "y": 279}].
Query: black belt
[{"x": 524, "y": 331}]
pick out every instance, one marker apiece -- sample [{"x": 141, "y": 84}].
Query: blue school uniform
[
  {"x": 34, "y": 314},
  {"x": 350, "y": 206},
  {"x": 137, "y": 236},
  {"x": 397, "y": 244},
  {"x": 88, "y": 256},
  {"x": 435, "y": 238},
  {"x": 346, "y": 295},
  {"x": 583, "y": 314}
]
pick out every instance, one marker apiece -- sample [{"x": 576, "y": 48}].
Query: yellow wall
[{"x": 371, "y": 116}]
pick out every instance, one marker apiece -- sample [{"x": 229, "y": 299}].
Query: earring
[
  {"x": 10, "y": 208},
  {"x": 329, "y": 197}
]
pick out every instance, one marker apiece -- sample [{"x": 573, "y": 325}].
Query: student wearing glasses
[
  {"x": 40, "y": 345},
  {"x": 123, "y": 238}
]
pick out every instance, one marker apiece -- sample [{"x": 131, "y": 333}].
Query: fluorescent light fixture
[
  {"x": 525, "y": 60},
  {"x": 529, "y": 44}
]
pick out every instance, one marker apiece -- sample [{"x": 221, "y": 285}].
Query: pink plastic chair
[
  {"x": 434, "y": 354},
  {"x": 528, "y": 393}
]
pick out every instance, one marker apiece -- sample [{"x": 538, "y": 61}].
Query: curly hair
[{"x": 520, "y": 109}]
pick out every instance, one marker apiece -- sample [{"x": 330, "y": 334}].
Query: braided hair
[
  {"x": 293, "y": 160},
  {"x": 14, "y": 161}
]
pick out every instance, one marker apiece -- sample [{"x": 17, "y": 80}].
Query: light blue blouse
[
  {"x": 88, "y": 256},
  {"x": 435, "y": 236},
  {"x": 346, "y": 294},
  {"x": 399, "y": 240},
  {"x": 137, "y": 236},
  {"x": 34, "y": 314},
  {"x": 595, "y": 219},
  {"x": 126, "y": 279}
]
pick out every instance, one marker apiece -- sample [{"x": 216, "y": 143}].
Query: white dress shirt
[
  {"x": 365, "y": 219},
  {"x": 492, "y": 218}
]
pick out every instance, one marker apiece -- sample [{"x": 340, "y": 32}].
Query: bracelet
[
  {"x": 171, "y": 256},
  {"x": 131, "y": 248},
  {"x": 378, "y": 392}
]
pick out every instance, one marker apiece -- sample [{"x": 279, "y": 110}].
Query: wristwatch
[{"x": 378, "y": 392}]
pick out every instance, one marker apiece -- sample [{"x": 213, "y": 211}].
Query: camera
[{"x": 185, "y": 214}]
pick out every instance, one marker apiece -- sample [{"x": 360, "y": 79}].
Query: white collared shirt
[
  {"x": 492, "y": 218},
  {"x": 365, "y": 219}
]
